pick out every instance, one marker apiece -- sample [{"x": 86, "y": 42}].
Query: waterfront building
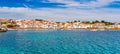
[
  {"x": 99, "y": 25},
  {"x": 117, "y": 25}
]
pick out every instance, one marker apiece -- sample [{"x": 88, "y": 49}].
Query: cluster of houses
[
  {"x": 37, "y": 24},
  {"x": 79, "y": 25},
  {"x": 44, "y": 24}
]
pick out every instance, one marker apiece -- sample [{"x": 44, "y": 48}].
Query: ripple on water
[{"x": 60, "y": 42}]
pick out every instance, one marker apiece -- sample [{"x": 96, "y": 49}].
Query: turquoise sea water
[{"x": 60, "y": 42}]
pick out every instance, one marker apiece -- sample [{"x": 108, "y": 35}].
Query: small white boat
[
  {"x": 94, "y": 30},
  {"x": 102, "y": 29}
]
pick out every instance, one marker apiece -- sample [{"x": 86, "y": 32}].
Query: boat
[
  {"x": 102, "y": 29},
  {"x": 94, "y": 30},
  {"x": 97, "y": 30},
  {"x": 3, "y": 30}
]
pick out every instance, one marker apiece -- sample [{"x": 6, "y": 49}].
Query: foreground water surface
[{"x": 60, "y": 42}]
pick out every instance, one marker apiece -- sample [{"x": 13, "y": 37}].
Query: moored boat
[
  {"x": 94, "y": 30},
  {"x": 3, "y": 30}
]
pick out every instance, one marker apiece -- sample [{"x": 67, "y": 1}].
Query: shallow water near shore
[{"x": 60, "y": 42}]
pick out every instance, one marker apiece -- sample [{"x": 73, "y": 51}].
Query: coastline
[
  {"x": 9, "y": 29},
  {"x": 38, "y": 24}
]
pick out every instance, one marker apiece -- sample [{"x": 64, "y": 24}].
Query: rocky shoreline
[{"x": 59, "y": 29}]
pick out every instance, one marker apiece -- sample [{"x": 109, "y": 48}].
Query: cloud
[
  {"x": 81, "y": 4},
  {"x": 60, "y": 14}
]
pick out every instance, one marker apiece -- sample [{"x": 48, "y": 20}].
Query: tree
[
  {"x": 96, "y": 21},
  {"x": 102, "y": 21},
  {"x": 107, "y": 23},
  {"x": 93, "y": 22},
  {"x": 75, "y": 20},
  {"x": 39, "y": 20},
  {"x": 10, "y": 26},
  {"x": 78, "y": 20},
  {"x": 86, "y": 22},
  {"x": 3, "y": 22},
  {"x": 58, "y": 22}
]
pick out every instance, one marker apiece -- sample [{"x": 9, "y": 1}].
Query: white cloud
[
  {"x": 77, "y": 4},
  {"x": 61, "y": 14}
]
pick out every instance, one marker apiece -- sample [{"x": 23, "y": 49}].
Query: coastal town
[{"x": 16, "y": 24}]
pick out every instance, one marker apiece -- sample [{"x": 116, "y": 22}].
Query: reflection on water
[{"x": 60, "y": 42}]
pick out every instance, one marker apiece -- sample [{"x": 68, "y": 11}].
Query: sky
[{"x": 61, "y": 10}]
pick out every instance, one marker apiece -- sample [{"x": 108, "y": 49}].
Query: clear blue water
[{"x": 60, "y": 42}]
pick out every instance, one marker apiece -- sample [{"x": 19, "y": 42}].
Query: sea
[{"x": 60, "y": 42}]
